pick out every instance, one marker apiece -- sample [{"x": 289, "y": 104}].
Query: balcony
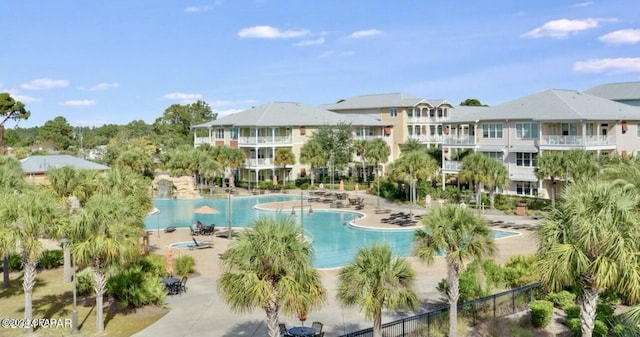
[
  {"x": 459, "y": 140},
  {"x": 427, "y": 138},
  {"x": 577, "y": 141},
  {"x": 367, "y": 137},
  {"x": 266, "y": 140},
  {"x": 426, "y": 119},
  {"x": 259, "y": 163},
  {"x": 202, "y": 140},
  {"x": 451, "y": 165}
]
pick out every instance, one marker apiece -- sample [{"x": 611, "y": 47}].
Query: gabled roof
[
  {"x": 288, "y": 114},
  {"x": 617, "y": 91},
  {"x": 41, "y": 164},
  {"x": 375, "y": 101},
  {"x": 557, "y": 105}
]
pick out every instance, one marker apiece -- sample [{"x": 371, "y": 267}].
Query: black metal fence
[{"x": 436, "y": 322}]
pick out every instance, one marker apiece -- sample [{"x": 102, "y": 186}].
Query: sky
[{"x": 116, "y": 61}]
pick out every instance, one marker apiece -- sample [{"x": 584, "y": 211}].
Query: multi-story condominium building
[
  {"x": 260, "y": 131},
  {"x": 517, "y": 132},
  {"x": 626, "y": 92},
  {"x": 411, "y": 117}
]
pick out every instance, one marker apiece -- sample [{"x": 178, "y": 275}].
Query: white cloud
[
  {"x": 22, "y": 98},
  {"x": 78, "y": 102},
  {"x": 183, "y": 97},
  {"x": 268, "y": 32},
  {"x": 101, "y": 86},
  {"x": 623, "y": 36},
  {"x": 333, "y": 53},
  {"x": 563, "y": 28},
  {"x": 583, "y": 4},
  {"x": 364, "y": 33},
  {"x": 305, "y": 43},
  {"x": 203, "y": 8},
  {"x": 616, "y": 65},
  {"x": 45, "y": 83}
]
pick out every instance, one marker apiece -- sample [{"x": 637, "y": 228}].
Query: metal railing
[
  {"x": 265, "y": 140},
  {"x": 577, "y": 140},
  {"x": 451, "y": 165},
  {"x": 459, "y": 140},
  {"x": 436, "y": 322}
]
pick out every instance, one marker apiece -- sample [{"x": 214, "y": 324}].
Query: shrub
[
  {"x": 562, "y": 299},
  {"x": 572, "y": 311},
  {"x": 185, "y": 265},
  {"x": 605, "y": 312},
  {"x": 154, "y": 264},
  {"x": 133, "y": 287},
  {"x": 51, "y": 259},
  {"x": 600, "y": 329},
  {"x": 575, "y": 327},
  {"x": 85, "y": 281},
  {"x": 541, "y": 312},
  {"x": 15, "y": 262},
  {"x": 519, "y": 271}
]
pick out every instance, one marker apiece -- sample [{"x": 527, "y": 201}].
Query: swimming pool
[{"x": 334, "y": 243}]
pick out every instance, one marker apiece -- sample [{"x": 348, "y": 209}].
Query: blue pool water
[{"x": 335, "y": 244}]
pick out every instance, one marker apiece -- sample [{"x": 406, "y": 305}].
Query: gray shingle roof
[
  {"x": 41, "y": 164},
  {"x": 375, "y": 101},
  {"x": 552, "y": 105},
  {"x": 289, "y": 114},
  {"x": 617, "y": 91}
]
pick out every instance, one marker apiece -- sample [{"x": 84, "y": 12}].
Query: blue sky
[{"x": 116, "y": 61}]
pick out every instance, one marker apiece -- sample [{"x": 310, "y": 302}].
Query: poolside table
[
  {"x": 172, "y": 285},
  {"x": 302, "y": 331}
]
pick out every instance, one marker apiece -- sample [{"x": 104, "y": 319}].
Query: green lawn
[{"x": 54, "y": 299}]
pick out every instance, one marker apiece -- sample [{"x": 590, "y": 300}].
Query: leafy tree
[
  {"x": 360, "y": 147},
  {"x": 135, "y": 160},
  {"x": 376, "y": 280},
  {"x": 337, "y": 144},
  {"x": 230, "y": 159},
  {"x": 312, "y": 154},
  {"x": 175, "y": 124},
  {"x": 71, "y": 184},
  {"x": 411, "y": 166},
  {"x": 10, "y": 109},
  {"x": 471, "y": 102},
  {"x": 435, "y": 153},
  {"x": 461, "y": 235},
  {"x": 552, "y": 165},
  {"x": 24, "y": 219},
  {"x": 473, "y": 171},
  {"x": 591, "y": 241},
  {"x": 284, "y": 156},
  {"x": 377, "y": 152},
  {"x": 11, "y": 180},
  {"x": 58, "y": 132},
  {"x": 179, "y": 161},
  {"x": 208, "y": 166},
  {"x": 269, "y": 267}
]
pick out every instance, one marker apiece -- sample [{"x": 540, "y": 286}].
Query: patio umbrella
[
  {"x": 341, "y": 185},
  {"x": 205, "y": 210},
  {"x": 169, "y": 261},
  {"x": 356, "y": 189},
  {"x": 275, "y": 180}
]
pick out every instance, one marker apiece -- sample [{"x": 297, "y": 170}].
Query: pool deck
[{"x": 202, "y": 312}]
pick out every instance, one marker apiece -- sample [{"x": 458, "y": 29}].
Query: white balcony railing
[
  {"x": 367, "y": 137},
  {"x": 451, "y": 165},
  {"x": 425, "y": 119},
  {"x": 577, "y": 140},
  {"x": 258, "y": 162},
  {"x": 459, "y": 140},
  {"x": 264, "y": 140},
  {"x": 427, "y": 138},
  {"x": 202, "y": 140}
]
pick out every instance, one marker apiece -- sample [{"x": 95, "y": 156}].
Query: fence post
[
  {"x": 404, "y": 321},
  {"x": 494, "y": 307},
  {"x": 513, "y": 302},
  {"x": 428, "y": 324}
]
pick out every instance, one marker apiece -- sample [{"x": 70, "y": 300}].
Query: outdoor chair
[
  {"x": 183, "y": 285},
  {"x": 193, "y": 231},
  {"x": 318, "y": 327},
  {"x": 200, "y": 244},
  {"x": 283, "y": 330}
]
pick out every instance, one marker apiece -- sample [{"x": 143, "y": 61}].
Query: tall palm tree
[
  {"x": 624, "y": 172},
  {"x": 473, "y": 171},
  {"x": 11, "y": 180},
  {"x": 284, "y": 156},
  {"x": 231, "y": 159},
  {"x": 496, "y": 177},
  {"x": 360, "y": 147},
  {"x": 591, "y": 240},
  {"x": 105, "y": 233},
  {"x": 581, "y": 165},
  {"x": 377, "y": 280},
  {"x": 72, "y": 184},
  {"x": 552, "y": 165},
  {"x": 269, "y": 267},
  {"x": 313, "y": 155},
  {"x": 136, "y": 160},
  {"x": 378, "y": 153},
  {"x": 414, "y": 165},
  {"x": 129, "y": 184},
  {"x": 24, "y": 219},
  {"x": 412, "y": 144},
  {"x": 461, "y": 235}
]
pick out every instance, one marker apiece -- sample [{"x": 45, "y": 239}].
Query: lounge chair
[
  {"x": 200, "y": 244},
  {"x": 170, "y": 229},
  {"x": 283, "y": 330},
  {"x": 317, "y": 326}
]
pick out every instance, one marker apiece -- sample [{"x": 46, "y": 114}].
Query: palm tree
[
  {"x": 496, "y": 177},
  {"x": 24, "y": 219},
  {"x": 552, "y": 165},
  {"x": 414, "y": 165},
  {"x": 130, "y": 184},
  {"x": 378, "y": 153},
  {"x": 312, "y": 154},
  {"x": 412, "y": 144},
  {"x": 106, "y": 233},
  {"x": 230, "y": 159},
  {"x": 376, "y": 280},
  {"x": 269, "y": 267},
  {"x": 625, "y": 173},
  {"x": 581, "y": 165},
  {"x": 591, "y": 240},
  {"x": 473, "y": 170},
  {"x": 284, "y": 156},
  {"x": 360, "y": 147},
  {"x": 11, "y": 180},
  {"x": 71, "y": 185},
  {"x": 461, "y": 235},
  {"x": 136, "y": 160}
]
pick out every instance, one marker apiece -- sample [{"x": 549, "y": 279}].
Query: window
[
  {"x": 393, "y": 112},
  {"x": 492, "y": 130},
  {"x": 234, "y": 133},
  {"x": 638, "y": 130},
  {"x": 569, "y": 129},
  {"x": 495, "y": 155},
  {"x": 219, "y": 133},
  {"x": 527, "y": 188},
  {"x": 526, "y": 159},
  {"x": 527, "y": 130}
]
